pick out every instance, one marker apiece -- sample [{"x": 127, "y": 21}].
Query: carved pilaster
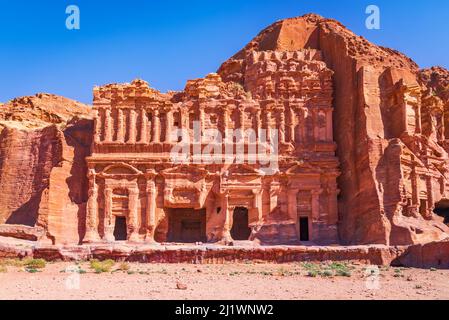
[
  {"x": 143, "y": 126},
  {"x": 282, "y": 126},
  {"x": 107, "y": 125},
  {"x": 242, "y": 120},
  {"x": 291, "y": 126},
  {"x": 168, "y": 126},
  {"x": 202, "y": 120},
  {"x": 226, "y": 237},
  {"x": 151, "y": 211},
  {"x": 293, "y": 204},
  {"x": 108, "y": 218},
  {"x": 132, "y": 126},
  {"x": 133, "y": 228},
  {"x": 120, "y": 126},
  {"x": 268, "y": 124},
  {"x": 316, "y": 205},
  {"x": 156, "y": 127},
  {"x": 257, "y": 204},
  {"x": 92, "y": 211},
  {"x": 97, "y": 127},
  {"x": 258, "y": 124}
]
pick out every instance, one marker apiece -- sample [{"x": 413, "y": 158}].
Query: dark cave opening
[{"x": 442, "y": 210}]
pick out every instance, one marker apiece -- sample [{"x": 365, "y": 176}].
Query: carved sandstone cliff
[
  {"x": 43, "y": 142},
  {"x": 389, "y": 125},
  {"x": 389, "y": 132}
]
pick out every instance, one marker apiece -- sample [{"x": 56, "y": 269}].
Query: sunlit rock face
[{"x": 309, "y": 134}]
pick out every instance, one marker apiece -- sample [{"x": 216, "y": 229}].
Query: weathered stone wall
[{"x": 388, "y": 185}]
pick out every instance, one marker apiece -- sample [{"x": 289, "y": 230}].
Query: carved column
[
  {"x": 133, "y": 215},
  {"x": 120, "y": 127},
  {"x": 258, "y": 204},
  {"x": 226, "y": 238},
  {"x": 143, "y": 126},
  {"x": 92, "y": 213},
  {"x": 293, "y": 204},
  {"x": 258, "y": 124},
  {"x": 282, "y": 126},
  {"x": 268, "y": 125},
  {"x": 225, "y": 119},
  {"x": 151, "y": 211},
  {"x": 132, "y": 126},
  {"x": 97, "y": 126},
  {"x": 156, "y": 127},
  {"x": 168, "y": 126},
  {"x": 107, "y": 125},
  {"x": 418, "y": 119},
  {"x": 291, "y": 126},
  {"x": 202, "y": 119},
  {"x": 108, "y": 219},
  {"x": 211, "y": 207},
  {"x": 242, "y": 120}
]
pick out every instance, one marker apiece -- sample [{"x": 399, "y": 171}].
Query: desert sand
[{"x": 221, "y": 282}]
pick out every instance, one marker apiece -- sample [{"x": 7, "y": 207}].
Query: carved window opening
[
  {"x": 304, "y": 229},
  {"x": 120, "y": 229},
  {"x": 240, "y": 228},
  {"x": 187, "y": 226},
  {"x": 442, "y": 210}
]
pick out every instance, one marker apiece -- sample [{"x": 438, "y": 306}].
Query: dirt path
[{"x": 221, "y": 282}]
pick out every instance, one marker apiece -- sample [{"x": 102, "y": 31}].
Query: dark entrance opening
[
  {"x": 304, "y": 229},
  {"x": 442, "y": 210},
  {"x": 187, "y": 226},
  {"x": 240, "y": 228},
  {"x": 120, "y": 229}
]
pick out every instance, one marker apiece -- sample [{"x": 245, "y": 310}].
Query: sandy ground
[{"x": 220, "y": 282}]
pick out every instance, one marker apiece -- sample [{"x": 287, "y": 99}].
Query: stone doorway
[
  {"x": 304, "y": 229},
  {"x": 240, "y": 228},
  {"x": 187, "y": 226},
  {"x": 120, "y": 229},
  {"x": 442, "y": 210}
]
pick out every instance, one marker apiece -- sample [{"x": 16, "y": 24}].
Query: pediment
[
  {"x": 184, "y": 170},
  {"x": 120, "y": 169},
  {"x": 243, "y": 170}
]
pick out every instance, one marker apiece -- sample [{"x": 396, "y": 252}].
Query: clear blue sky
[{"x": 168, "y": 42}]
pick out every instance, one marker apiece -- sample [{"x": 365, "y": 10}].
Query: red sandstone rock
[
  {"x": 43, "y": 142},
  {"x": 22, "y": 232},
  {"x": 385, "y": 128},
  {"x": 326, "y": 90}
]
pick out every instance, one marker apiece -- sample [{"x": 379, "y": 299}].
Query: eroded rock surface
[
  {"x": 326, "y": 90},
  {"x": 389, "y": 125},
  {"x": 44, "y": 140}
]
